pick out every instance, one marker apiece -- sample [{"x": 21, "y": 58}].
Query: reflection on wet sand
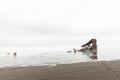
[{"x": 91, "y": 54}]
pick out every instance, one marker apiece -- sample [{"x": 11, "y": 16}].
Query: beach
[{"x": 96, "y": 70}]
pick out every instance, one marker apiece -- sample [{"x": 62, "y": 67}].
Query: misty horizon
[{"x": 65, "y": 22}]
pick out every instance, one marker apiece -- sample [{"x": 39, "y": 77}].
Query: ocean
[{"x": 38, "y": 56}]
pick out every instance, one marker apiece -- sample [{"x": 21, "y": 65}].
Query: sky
[{"x": 59, "y": 22}]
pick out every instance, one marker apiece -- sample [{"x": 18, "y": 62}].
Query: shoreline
[
  {"x": 96, "y": 70},
  {"x": 52, "y": 65}
]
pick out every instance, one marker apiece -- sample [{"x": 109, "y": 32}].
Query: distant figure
[
  {"x": 74, "y": 50},
  {"x": 14, "y": 54},
  {"x": 93, "y": 43}
]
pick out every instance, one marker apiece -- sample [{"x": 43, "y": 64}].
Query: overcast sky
[{"x": 42, "y": 22}]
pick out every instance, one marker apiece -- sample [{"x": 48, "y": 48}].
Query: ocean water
[{"x": 36, "y": 56}]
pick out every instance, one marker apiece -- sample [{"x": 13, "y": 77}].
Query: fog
[{"x": 59, "y": 22}]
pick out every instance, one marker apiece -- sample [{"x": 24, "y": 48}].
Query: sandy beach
[{"x": 102, "y": 70}]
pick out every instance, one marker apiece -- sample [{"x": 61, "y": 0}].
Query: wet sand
[{"x": 102, "y": 70}]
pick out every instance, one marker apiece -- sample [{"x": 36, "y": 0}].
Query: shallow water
[{"x": 51, "y": 56}]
